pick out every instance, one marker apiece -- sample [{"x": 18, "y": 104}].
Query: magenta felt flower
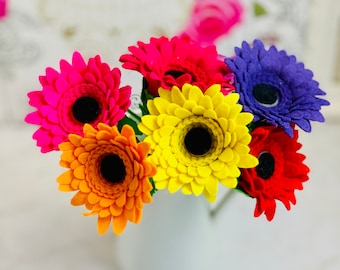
[
  {"x": 172, "y": 62},
  {"x": 80, "y": 93},
  {"x": 2, "y": 8},
  {"x": 211, "y": 19}
]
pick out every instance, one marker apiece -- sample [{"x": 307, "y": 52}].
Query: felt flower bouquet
[{"x": 204, "y": 122}]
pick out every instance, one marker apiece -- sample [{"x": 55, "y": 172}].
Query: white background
[{"x": 40, "y": 230}]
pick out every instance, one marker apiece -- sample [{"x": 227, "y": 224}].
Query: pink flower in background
[
  {"x": 2, "y": 8},
  {"x": 211, "y": 19}
]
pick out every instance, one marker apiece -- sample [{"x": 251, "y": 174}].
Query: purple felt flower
[{"x": 275, "y": 87}]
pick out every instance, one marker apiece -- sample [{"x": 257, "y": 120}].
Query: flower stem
[
  {"x": 136, "y": 116},
  {"x": 222, "y": 202}
]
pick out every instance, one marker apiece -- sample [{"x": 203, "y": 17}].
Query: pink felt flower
[
  {"x": 80, "y": 93},
  {"x": 211, "y": 19},
  {"x": 165, "y": 63},
  {"x": 2, "y": 8}
]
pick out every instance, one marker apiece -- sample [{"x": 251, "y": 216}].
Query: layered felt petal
[
  {"x": 110, "y": 171},
  {"x": 80, "y": 93}
]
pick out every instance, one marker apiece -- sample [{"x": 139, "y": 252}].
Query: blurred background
[{"x": 38, "y": 227}]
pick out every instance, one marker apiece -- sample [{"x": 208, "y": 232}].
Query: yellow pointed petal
[
  {"x": 165, "y": 93},
  {"x": 182, "y": 113},
  {"x": 244, "y": 118},
  {"x": 161, "y": 175},
  {"x": 177, "y": 96},
  {"x": 197, "y": 189},
  {"x": 162, "y": 185},
  {"x": 229, "y": 182},
  {"x": 198, "y": 110},
  {"x": 172, "y": 108},
  {"x": 192, "y": 171},
  {"x": 223, "y": 123},
  {"x": 161, "y": 105},
  {"x": 186, "y": 189},
  {"x": 184, "y": 178},
  {"x": 174, "y": 185},
  {"x": 212, "y": 186},
  {"x": 248, "y": 161},
  {"x": 195, "y": 94},
  {"x": 181, "y": 168},
  {"x": 204, "y": 171},
  {"x": 210, "y": 114},
  {"x": 222, "y": 110},
  {"x": 166, "y": 130},
  {"x": 227, "y": 155},
  {"x": 213, "y": 90},
  {"x": 171, "y": 120},
  {"x": 172, "y": 172},
  {"x": 216, "y": 165},
  {"x": 241, "y": 149},
  {"x": 235, "y": 111},
  {"x": 210, "y": 197},
  {"x": 201, "y": 180},
  {"x": 206, "y": 102},
  {"x": 232, "y": 98},
  {"x": 150, "y": 121},
  {"x": 152, "y": 108},
  {"x": 186, "y": 88},
  {"x": 189, "y": 105}
]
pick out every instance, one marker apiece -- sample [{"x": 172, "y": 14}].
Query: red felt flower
[
  {"x": 280, "y": 171},
  {"x": 166, "y": 63}
]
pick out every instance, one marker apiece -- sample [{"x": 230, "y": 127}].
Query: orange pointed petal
[
  {"x": 119, "y": 224},
  {"x": 103, "y": 224}
]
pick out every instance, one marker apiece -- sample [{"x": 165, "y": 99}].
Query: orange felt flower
[{"x": 110, "y": 171}]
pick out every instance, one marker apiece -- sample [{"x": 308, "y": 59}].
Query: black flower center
[
  {"x": 85, "y": 109},
  {"x": 112, "y": 168},
  {"x": 174, "y": 73},
  {"x": 266, "y": 166},
  {"x": 266, "y": 94},
  {"x": 198, "y": 141}
]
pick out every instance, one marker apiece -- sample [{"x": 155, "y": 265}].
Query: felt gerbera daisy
[
  {"x": 165, "y": 63},
  {"x": 197, "y": 139},
  {"x": 80, "y": 93},
  {"x": 275, "y": 87},
  {"x": 110, "y": 172},
  {"x": 280, "y": 171}
]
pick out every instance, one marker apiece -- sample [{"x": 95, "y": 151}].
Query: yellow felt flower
[
  {"x": 110, "y": 171},
  {"x": 197, "y": 139}
]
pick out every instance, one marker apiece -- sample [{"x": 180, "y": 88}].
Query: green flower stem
[
  {"x": 136, "y": 116},
  {"x": 223, "y": 201}
]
